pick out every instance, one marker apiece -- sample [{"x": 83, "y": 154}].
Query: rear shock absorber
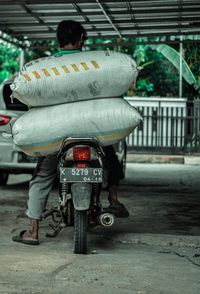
[
  {"x": 96, "y": 193},
  {"x": 63, "y": 192}
]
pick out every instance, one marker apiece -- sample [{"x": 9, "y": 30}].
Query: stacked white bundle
[
  {"x": 109, "y": 120},
  {"x": 74, "y": 77},
  {"x": 55, "y": 83}
]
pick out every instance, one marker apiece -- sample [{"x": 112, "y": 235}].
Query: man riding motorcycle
[{"x": 71, "y": 36}]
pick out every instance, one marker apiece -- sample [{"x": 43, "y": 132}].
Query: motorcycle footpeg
[
  {"x": 50, "y": 212},
  {"x": 56, "y": 231}
]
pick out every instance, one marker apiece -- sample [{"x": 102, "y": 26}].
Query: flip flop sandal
[{"x": 20, "y": 239}]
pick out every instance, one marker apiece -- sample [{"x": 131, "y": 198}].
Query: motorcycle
[{"x": 81, "y": 171}]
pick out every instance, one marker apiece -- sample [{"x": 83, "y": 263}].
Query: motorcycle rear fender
[{"x": 81, "y": 195}]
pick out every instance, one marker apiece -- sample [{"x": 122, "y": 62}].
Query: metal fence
[{"x": 168, "y": 124}]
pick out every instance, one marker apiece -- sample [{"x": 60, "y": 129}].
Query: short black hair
[{"x": 70, "y": 31}]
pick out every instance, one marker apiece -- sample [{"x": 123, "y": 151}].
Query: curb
[
  {"x": 192, "y": 160},
  {"x": 169, "y": 159}
]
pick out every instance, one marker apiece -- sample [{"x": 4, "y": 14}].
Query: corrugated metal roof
[{"x": 37, "y": 19}]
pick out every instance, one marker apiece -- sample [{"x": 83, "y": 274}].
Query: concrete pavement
[{"x": 154, "y": 251}]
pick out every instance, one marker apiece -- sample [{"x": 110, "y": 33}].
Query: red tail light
[
  {"x": 81, "y": 153},
  {"x": 4, "y": 120}
]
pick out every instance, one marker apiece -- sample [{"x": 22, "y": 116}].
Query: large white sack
[
  {"x": 40, "y": 131},
  {"x": 73, "y": 77}
]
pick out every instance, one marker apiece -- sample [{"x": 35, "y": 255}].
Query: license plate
[{"x": 92, "y": 175}]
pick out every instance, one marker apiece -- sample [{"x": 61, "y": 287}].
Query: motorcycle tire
[{"x": 80, "y": 231}]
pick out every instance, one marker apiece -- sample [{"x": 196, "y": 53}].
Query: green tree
[
  {"x": 9, "y": 60},
  {"x": 161, "y": 64}
]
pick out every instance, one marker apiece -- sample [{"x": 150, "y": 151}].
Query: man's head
[{"x": 70, "y": 34}]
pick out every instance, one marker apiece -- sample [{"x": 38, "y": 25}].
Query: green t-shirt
[{"x": 63, "y": 52}]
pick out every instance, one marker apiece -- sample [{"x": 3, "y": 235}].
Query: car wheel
[{"x": 3, "y": 178}]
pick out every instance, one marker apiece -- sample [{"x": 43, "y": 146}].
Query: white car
[{"x": 12, "y": 160}]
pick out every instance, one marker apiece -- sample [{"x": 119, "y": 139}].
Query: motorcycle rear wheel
[{"x": 80, "y": 231}]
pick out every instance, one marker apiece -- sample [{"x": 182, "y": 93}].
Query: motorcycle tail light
[
  {"x": 81, "y": 153},
  {"x": 4, "y": 120},
  {"x": 69, "y": 154}
]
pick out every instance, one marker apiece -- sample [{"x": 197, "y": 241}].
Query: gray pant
[{"x": 40, "y": 186}]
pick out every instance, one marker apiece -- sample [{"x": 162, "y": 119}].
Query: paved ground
[{"x": 155, "y": 251}]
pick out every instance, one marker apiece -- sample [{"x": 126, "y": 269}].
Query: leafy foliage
[
  {"x": 174, "y": 57},
  {"x": 144, "y": 87},
  {"x": 9, "y": 61},
  {"x": 161, "y": 67}
]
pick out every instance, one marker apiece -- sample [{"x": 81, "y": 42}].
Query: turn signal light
[
  {"x": 4, "y": 120},
  {"x": 81, "y": 153}
]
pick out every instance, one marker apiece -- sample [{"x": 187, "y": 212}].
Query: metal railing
[{"x": 175, "y": 128}]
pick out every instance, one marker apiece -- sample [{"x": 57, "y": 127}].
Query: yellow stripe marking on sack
[
  {"x": 26, "y": 76},
  {"x": 46, "y": 72},
  {"x": 75, "y": 67},
  {"x": 58, "y": 143},
  {"x": 36, "y": 74},
  {"x": 114, "y": 136},
  {"x": 56, "y": 72},
  {"x": 65, "y": 69},
  {"x": 42, "y": 147},
  {"x": 95, "y": 64},
  {"x": 84, "y": 65}
]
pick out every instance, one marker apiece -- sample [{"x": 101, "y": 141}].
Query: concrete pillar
[{"x": 21, "y": 60}]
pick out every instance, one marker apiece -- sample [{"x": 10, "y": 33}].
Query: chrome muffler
[{"x": 106, "y": 219}]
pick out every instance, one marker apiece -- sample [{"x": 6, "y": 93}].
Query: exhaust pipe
[{"x": 106, "y": 219}]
